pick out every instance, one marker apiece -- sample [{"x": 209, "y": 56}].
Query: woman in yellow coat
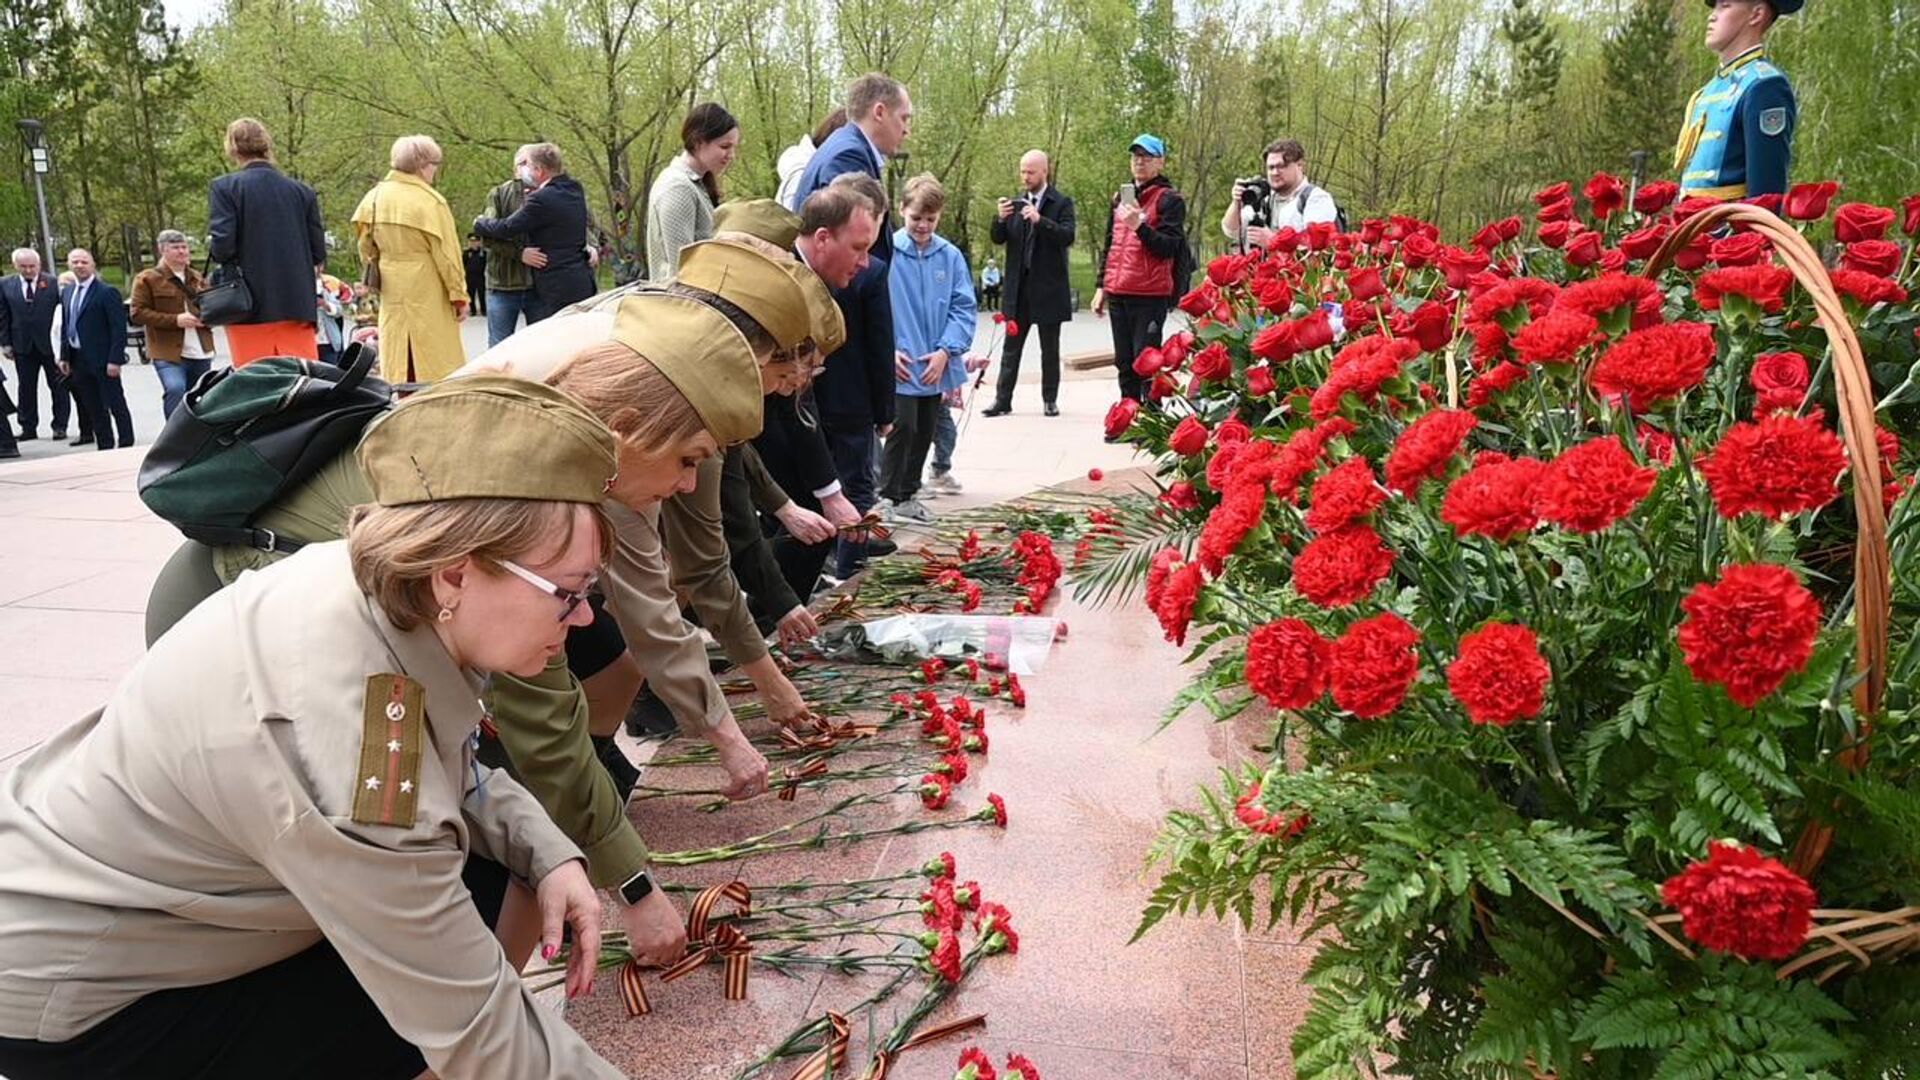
[{"x": 405, "y": 226}]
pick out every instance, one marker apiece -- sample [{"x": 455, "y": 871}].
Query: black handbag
[{"x": 227, "y": 300}]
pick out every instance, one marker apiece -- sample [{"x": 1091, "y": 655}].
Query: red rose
[
  {"x": 1617, "y": 301},
  {"x": 1584, "y": 249},
  {"x": 1740, "y": 249},
  {"x": 1231, "y": 269},
  {"x": 1808, "y": 202},
  {"x": 1431, "y": 324},
  {"x": 1910, "y": 215},
  {"x": 1287, "y": 664},
  {"x": 1420, "y": 250},
  {"x": 1189, "y": 437},
  {"x": 1552, "y": 212},
  {"x": 1174, "y": 351},
  {"x": 1554, "y": 233},
  {"x": 1342, "y": 567},
  {"x": 1177, "y": 598},
  {"x": 1606, "y": 195},
  {"x": 1770, "y": 202},
  {"x": 1591, "y": 486},
  {"x": 1213, "y": 363},
  {"x": 1868, "y": 289},
  {"x": 1423, "y": 450},
  {"x": 1120, "y": 417},
  {"x": 1275, "y": 342},
  {"x": 1500, "y": 675},
  {"x": 1765, "y": 287},
  {"x": 1231, "y": 430},
  {"x": 1260, "y": 381},
  {"x": 1655, "y": 196},
  {"x": 1460, "y": 264},
  {"x": 1274, "y": 295},
  {"x": 1878, "y": 257},
  {"x": 1556, "y": 339},
  {"x": 1366, "y": 284},
  {"x": 1749, "y": 630},
  {"x": 1642, "y": 243},
  {"x": 1855, "y": 222},
  {"x": 1780, "y": 380},
  {"x": 1373, "y": 665},
  {"x": 1494, "y": 498},
  {"x": 1201, "y": 300},
  {"x": 1346, "y": 494},
  {"x": 1312, "y": 331},
  {"x": 1613, "y": 260},
  {"x": 1320, "y": 235},
  {"x": 1776, "y": 466},
  {"x": 1013, "y": 329},
  {"x": 1695, "y": 255},
  {"x": 1553, "y": 193},
  {"x": 1148, "y": 362},
  {"x": 1654, "y": 365},
  {"x": 1743, "y": 903}
]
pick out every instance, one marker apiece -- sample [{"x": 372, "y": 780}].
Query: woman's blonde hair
[
  {"x": 247, "y": 140},
  {"x": 396, "y": 550},
  {"x": 412, "y": 153},
  {"x": 631, "y": 395}
]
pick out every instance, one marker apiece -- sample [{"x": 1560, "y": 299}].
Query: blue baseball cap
[{"x": 1149, "y": 144}]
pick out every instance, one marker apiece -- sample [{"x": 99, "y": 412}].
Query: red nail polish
[{"x": 548, "y": 951}]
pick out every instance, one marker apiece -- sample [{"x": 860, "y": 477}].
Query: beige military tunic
[{"x": 223, "y": 813}]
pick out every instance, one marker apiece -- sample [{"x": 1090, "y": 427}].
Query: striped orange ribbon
[
  {"x": 725, "y": 941},
  {"x": 831, "y": 1058},
  {"x": 791, "y": 776},
  {"x": 820, "y": 733},
  {"x": 883, "y": 1061}
]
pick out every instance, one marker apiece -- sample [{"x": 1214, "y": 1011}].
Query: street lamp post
[{"x": 31, "y": 133}]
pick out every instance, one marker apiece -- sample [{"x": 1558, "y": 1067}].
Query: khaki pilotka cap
[
  {"x": 702, "y": 354},
  {"x": 766, "y": 220},
  {"x": 488, "y": 437},
  {"x": 829, "y": 326},
  {"x": 750, "y": 281}
]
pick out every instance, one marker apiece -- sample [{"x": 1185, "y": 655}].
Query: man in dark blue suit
[
  {"x": 552, "y": 226},
  {"x": 879, "y": 118},
  {"x": 28, "y": 299},
  {"x": 93, "y": 346}
]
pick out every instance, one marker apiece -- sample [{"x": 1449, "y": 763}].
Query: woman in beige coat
[{"x": 406, "y": 229}]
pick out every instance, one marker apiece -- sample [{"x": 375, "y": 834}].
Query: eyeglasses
[{"x": 571, "y": 599}]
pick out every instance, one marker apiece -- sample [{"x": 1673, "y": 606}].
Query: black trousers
[
  {"x": 852, "y": 448},
  {"x": 1016, "y": 344},
  {"x": 31, "y": 368},
  {"x": 555, "y": 289},
  {"x": 305, "y": 1017},
  {"x": 103, "y": 403},
  {"x": 1137, "y": 325},
  {"x": 477, "y": 294},
  {"x": 905, "y": 455}
]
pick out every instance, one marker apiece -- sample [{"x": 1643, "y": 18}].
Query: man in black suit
[
  {"x": 93, "y": 347},
  {"x": 28, "y": 299},
  {"x": 1037, "y": 229},
  {"x": 552, "y": 228}
]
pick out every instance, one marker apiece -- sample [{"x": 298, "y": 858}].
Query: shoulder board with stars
[{"x": 387, "y": 787}]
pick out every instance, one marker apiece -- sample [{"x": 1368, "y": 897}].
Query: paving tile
[
  {"x": 24, "y": 573},
  {"x": 122, "y": 587},
  {"x": 1057, "y": 1061},
  {"x": 70, "y": 644},
  {"x": 40, "y": 705}
]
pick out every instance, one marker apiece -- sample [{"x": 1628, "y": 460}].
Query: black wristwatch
[{"x": 636, "y": 888}]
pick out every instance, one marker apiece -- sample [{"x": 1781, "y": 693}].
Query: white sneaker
[
  {"x": 942, "y": 484},
  {"x": 913, "y": 510},
  {"x": 884, "y": 508}
]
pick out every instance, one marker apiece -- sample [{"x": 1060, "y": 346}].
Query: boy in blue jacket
[{"x": 931, "y": 288}]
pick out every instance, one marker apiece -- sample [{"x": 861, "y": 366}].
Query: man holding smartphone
[{"x": 1137, "y": 275}]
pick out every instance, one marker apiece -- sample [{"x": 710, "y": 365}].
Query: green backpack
[{"x": 246, "y": 436}]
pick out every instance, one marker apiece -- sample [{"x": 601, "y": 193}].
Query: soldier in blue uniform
[{"x": 1738, "y": 133}]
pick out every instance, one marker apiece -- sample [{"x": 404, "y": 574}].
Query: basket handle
[{"x": 1872, "y": 569}]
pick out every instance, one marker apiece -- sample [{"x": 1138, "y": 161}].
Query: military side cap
[
  {"x": 750, "y": 281},
  {"x": 702, "y": 355},
  {"x": 488, "y": 437},
  {"x": 829, "y": 326},
  {"x": 763, "y": 218}
]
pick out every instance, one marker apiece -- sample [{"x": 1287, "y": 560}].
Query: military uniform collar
[
  {"x": 1758, "y": 52},
  {"x": 452, "y": 695}
]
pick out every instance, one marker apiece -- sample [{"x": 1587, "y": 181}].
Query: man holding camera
[
  {"x": 1283, "y": 199},
  {"x": 1037, "y": 230},
  {"x": 1140, "y": 271}
]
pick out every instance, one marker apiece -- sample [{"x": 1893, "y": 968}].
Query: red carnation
[
  {"x": 1868, "y": 289},
  {"x": 1617, "y": 301},
  {"x": 1374, "y": 664},
  {"x": 1765, "y": 287},
  {"x": 996, "y": 810},
  {"x": 1500, "y": 676},
  {"x": 1855, "y": 222},
  {"x": 1287, "y": 664},
  {"x": 1655, "y": 196},
  {"x": 1591, "y": 486},
  {"x": 975, "y": 1065},
  {"x": 1494, "y": 498},
  {"x": 1750, "y": 630},
  {"x": 1423, "y": 450},
  {"x": 945, "y": 958},
  {"x": 1743, "y": 903},
  {"x": 953, "y": 766},
  {"x": 995, "y": 920},
  {"x": 1189, "y": 437},
  {"x": 1013, "y": 328},
  {"x": 933, "y": 669},
  {"x": 1557, "y": 338},
  {"x": 1777, "y": 466},
  {"x": 1654, "y": 365},
  {"x": 938, "y": 909},
  {"x": 940, "y": 866},
  {"x": 1120, "y": 417},
  {"x": 1345, "y": 494},
  {"x": 1808, "y": 202},
  {"x": 1019, "y": 1068},
  {"x": 1175, "y": 609},
  {"x": 1780, "y": 380},
  {"x": 1502, "y": 378},
  {"x": 1213, "y": 363},
  {"x": 1255, "y": 816},
  {"x": 935, "y": 790},
  {"x": 1342, "y": 567},
  {"x": 1606, "y": 195}
]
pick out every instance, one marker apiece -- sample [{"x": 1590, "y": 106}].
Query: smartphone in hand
[{"x": 1129, "y": 195}]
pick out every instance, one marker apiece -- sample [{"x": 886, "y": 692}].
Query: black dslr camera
[{"x": 1255, "y": 191}]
